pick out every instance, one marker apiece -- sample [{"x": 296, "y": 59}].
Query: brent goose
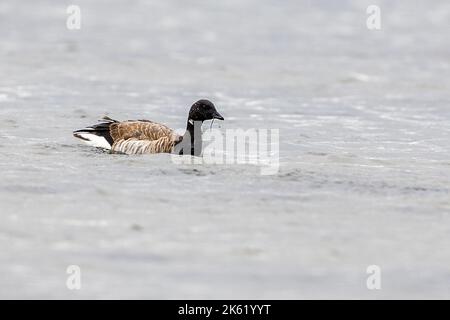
[{"x": 144, "y": 136}]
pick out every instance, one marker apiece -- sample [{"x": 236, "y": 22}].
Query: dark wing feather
[{"x": 102, "y": 129}]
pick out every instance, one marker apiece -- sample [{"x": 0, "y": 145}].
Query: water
[{"x": 364, "y": 155}]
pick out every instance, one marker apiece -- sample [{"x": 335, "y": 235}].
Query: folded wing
[{"x": 142, "y": 136}]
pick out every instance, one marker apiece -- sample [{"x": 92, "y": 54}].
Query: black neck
[{"x": 193, "y": 134}]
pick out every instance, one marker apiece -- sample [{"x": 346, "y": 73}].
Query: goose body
[{"x": 147, "y": 137}]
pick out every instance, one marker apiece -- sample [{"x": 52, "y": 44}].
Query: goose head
[{"x": 204, "y": 110}]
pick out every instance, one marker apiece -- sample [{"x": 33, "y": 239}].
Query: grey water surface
[{"x": 364, "y": 126}]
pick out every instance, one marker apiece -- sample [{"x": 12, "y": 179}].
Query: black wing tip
[
  {"x": 101, "y": 129},
  {"x": 85, "y": 130}
]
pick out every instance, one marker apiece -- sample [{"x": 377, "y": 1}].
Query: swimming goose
[{"x": 144, "y": 136}]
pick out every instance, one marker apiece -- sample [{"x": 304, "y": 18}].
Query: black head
[{"x": 204, "y": 110}]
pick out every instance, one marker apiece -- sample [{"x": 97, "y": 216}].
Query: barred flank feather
[{"x": 136, "y": 146}]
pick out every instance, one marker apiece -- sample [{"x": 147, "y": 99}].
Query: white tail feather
[{"x": 93, "y": 140}]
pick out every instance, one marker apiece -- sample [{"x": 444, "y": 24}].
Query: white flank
[{"x": 94, "y": 140}]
